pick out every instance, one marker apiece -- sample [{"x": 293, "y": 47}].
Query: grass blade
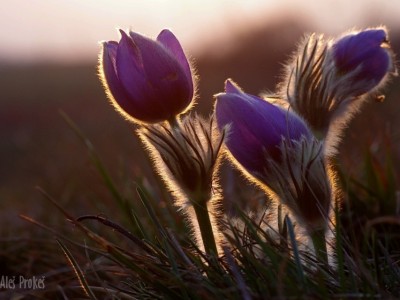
[
  {"x": 79, "y": 273},
  {"x": 296, "y": 253}
]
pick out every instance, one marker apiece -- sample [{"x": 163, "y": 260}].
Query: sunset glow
[{"x": 70, "y": 30}]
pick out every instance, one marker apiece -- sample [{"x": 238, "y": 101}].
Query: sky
[{"x": 69, "y": 30}]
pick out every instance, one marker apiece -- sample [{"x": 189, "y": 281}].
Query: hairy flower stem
[
  {"x": 186, "y": 156},
  {"x": 201, "y": 211},
  {"x": 319, "y": 242},
  {"x": 206, "y": 230}
]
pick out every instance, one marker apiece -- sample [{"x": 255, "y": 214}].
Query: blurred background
[{"x": 48, "y": 60}]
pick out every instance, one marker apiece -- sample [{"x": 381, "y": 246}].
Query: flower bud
[
  {"x": 366, "y": 55},
  {"x": 147, "y": 80}
]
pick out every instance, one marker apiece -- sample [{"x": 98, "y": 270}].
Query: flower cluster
[{"x": 282, "y": 142}]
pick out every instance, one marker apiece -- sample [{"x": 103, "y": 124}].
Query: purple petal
[
  {"x": 159, "y": 63},
  {"x": 165, "y": 73},
  {"x": 110, "y": 75},
  {"x": 243, "y": 140},
  {"x": 363, "y": 52},
  {"x": 130, "y": 67},
  {"x": 131, "y": 73},
  {"x": 256, "y": 127},
  {"x": 353, "y": 49},
  {"x": 231, "y": 87},
  {"x": 169, "y": 41}
]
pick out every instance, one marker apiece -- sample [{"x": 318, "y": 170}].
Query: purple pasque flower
[
  {"x": 275, "y": 146},
  {"x": 365, "y": 55},
  {"x": 147, "y": 80},
  {"x": 257, "y": 128}
]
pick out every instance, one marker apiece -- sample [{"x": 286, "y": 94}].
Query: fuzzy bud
[
  {"x": 186, "y": 156},
  {"x": 327, "y": 82}
]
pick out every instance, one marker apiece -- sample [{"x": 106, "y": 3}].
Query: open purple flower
[
  {"x": 366, "y": 55},
  {"x": 256, "y": 128},
  {"x": 147, "y": 80}
]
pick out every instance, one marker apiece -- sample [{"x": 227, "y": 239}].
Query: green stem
[
  {"x": 319, "y": 242},
  {"x": 206, "y": 231}
]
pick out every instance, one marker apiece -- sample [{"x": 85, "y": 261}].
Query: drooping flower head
[
  {"x": 275, "y": 147},
  {"x": 365, "y": 54},
  {"x": 256, "y": 127},
  {"x": 147, "y": 80}
]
